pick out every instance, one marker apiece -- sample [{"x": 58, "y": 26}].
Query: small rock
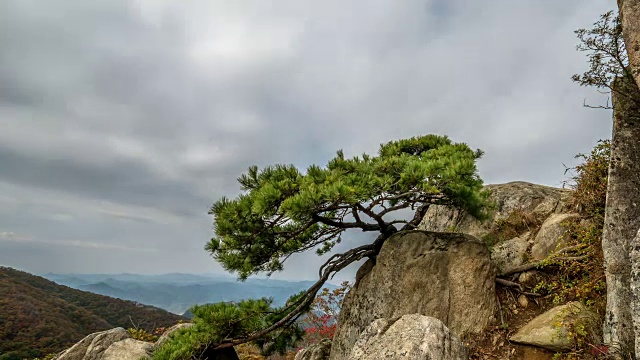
[
  {"x": 550, "y": 330},
  {"x": 523, "y": 301},
  {"x": 528, "y": 278}
]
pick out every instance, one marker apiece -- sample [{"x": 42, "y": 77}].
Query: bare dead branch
[
  {"x": 508, "y": 283},
  {"x": 607, "y": 106}
]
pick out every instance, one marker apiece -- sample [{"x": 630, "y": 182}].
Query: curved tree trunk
[{"x": 622, "y": 221}]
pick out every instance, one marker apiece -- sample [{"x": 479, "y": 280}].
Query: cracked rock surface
[{"x": 411, "y": 337}]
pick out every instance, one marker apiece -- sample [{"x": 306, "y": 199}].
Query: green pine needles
[
  {"x": 222, "y": 322},
  {"x": 283, "y": 211}
]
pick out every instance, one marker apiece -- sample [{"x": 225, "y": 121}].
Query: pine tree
[{"x": 283, "y": 211}]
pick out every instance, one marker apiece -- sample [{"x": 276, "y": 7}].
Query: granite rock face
[
  {"x": 527, "y": 222},
  {"x": 443, "y": 275},
  {"x": 536, "y": 200}
]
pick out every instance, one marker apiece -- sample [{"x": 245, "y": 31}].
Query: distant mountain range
[
  {"x": 38, "y": 316},
  {"x": 177, "y": 292}
]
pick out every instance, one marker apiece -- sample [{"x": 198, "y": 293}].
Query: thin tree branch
[
  {"x": 607, "y": 107},
  {"x": 381, "y": 223}
]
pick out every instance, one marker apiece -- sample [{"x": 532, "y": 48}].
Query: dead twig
[
  {"x": 515, "y": 286},
  {"x": 508, "y": 283}
]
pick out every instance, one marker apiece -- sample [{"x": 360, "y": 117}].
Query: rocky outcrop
[
  {"x": 446, "y": 276},
  {"x": 117, "y": 344},
  {"x": 515, "y": 197},
  {"x": 412, "y": 337},
  {"x": 94, "y": 345},
  {"x": 527, "y": 222},
  {"x": 550, "y": 330},
  {"x": 319, "y": 351},
  {"x": 114, "y": 344}
]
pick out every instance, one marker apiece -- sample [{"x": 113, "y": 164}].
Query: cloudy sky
[{"x": 122, "y": 121}]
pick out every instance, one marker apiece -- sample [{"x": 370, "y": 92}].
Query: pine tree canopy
[{"x": 282, "y": 210}]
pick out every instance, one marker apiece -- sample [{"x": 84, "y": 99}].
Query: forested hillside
[{"x": 38, "y": 316}]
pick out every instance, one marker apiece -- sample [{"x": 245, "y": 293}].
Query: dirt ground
[{"x": 495, "y": 344}]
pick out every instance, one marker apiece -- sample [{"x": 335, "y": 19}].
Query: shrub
[
  {"x": 214, "y": 323},
  {"x": 142, "y": 335},
  {"x": 579, "y": 268},
  {"x": 590, "y": 180},
  {"x": 322, "y": 320}
]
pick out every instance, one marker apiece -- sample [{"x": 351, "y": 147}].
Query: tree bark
[
  {"x": 630, "y": 15},
  {"x": 622, "y": 221},
  {"x": 620, "y": 244}
]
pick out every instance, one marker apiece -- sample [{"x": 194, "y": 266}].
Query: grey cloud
[
  {"x": 75, "y": 243},
  {"x": 128, "y": 119},
  {"x": 123, "y": 182}
]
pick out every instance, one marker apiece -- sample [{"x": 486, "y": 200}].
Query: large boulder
[
  {"x": 94, "y": 345},
  {"x": 536, "y": 201},
  {"x": 318, "y": 351},
  {"x": 443, "y": 275},
  {"x": 412, "y": 337},
  {"x": 551, "y": 329}
]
